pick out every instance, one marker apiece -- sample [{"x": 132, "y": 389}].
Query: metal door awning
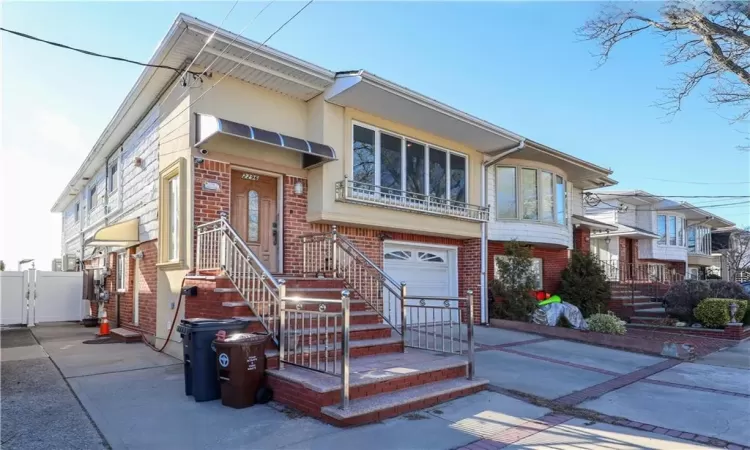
[
  {"x": 210, "y": 130},
  {"x": 123, "y": 234}
]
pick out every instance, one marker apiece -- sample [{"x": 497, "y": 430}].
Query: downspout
[{"x": 483, "y": 244}]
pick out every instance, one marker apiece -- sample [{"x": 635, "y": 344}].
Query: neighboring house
[
  {"x": 231, "y": 184},
  {"x": 731, "y": 253},
  {"x": 656, "y": 238},
  {"x": 535, "y": 195}
]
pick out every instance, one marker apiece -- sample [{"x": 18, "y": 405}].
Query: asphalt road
[{"x": 38, "y": 410}]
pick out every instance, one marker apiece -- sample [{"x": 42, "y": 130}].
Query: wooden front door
[{"x": 254, "y": 215}]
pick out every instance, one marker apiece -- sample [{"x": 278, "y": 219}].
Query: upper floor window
[
  {"x": 77, "y": 212},
  {"x": 536, "y": 194},
  {"x": 93, "y": 198},
  {"x": 400, "y": 164},
  {"x": 671, "y": 230},
  {"x": 112, "y": 180}
]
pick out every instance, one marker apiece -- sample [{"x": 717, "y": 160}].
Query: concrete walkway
[{"x": 136, "y": 398}]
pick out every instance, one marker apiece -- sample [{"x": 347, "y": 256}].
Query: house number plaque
[{"x": 250, "y": 176}]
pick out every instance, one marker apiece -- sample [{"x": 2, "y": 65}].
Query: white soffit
[{"x": 407, "y": 108}]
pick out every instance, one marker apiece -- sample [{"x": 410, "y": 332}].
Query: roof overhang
[
  {"x": 213, "y": 133},
  {"x": 583, "y": 174},
  {"x": 371, "y": 94},
  {"x": 260, "y": 65},
  {"x": 123, "y": 234},
  {"x": 591, "y": 224},
  {"x": 626, "y": 231}
]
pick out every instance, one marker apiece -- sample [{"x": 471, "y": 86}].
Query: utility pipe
[{"x": 483, "y": 246}]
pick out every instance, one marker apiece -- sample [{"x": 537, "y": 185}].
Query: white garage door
[{"x": 427, "y": 270}]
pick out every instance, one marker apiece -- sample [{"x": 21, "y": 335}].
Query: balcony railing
[{"x": 370, "y": 194}]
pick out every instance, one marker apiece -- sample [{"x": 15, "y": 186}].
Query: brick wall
[
  {"x": 581, "y": 239},
  {"x": 554, "y": 261},
  {"x": 470, "y": 273}
]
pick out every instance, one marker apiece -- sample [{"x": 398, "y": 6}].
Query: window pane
[
  {"x": 560, "y": 202},
  {"x": 438, "y": 166},
  {"x": 661, "y": 228},
  {"x": 93, "y": 198},
  {"x": 691, "y": 239},
  {"x": 252, "y": 216},
  {"x": 364, "y": 155},
  {"x": 672, "y": 230},
  {"x": 536, "y": 267},
  {"x": 458, "y": 178},
  {"x": 506, "y": 192},
  {"x": 415, "y": 167},
  {"x": 113, "y": 177},
  {"x": 529, "y": 194},
  {"x": 680, "y": 232},
  {"x": 390, "y": 162},
  {"x": 174, "y": 198},
  {"x": 548, "y": 205}
]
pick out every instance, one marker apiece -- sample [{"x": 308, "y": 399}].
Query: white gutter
[{"x": 483, "y": 201}]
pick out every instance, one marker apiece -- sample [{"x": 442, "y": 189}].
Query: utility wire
[
  {"x": 699, "y": 182},
  {"x": 90, "y": 53}
]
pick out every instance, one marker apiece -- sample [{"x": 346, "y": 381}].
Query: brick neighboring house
[
  {"x": 656, "y": 238},
  {"x": 283, "y": 149}
]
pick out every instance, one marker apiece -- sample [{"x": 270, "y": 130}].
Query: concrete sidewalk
[{"x": 136, "y": 397}]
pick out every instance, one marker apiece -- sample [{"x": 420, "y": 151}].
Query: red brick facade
[
  {"x": 554, "y": 261},
  {"x": 582, "y": 240}
]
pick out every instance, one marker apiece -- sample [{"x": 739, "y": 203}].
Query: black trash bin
[
  {"x": 199, "y": 357},
  {"x": 241, "y": 365}
]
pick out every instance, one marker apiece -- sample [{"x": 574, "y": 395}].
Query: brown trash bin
[{"x": 241, "y": 365}]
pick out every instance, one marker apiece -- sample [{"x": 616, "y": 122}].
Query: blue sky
[{"x": 518, "y": 65}]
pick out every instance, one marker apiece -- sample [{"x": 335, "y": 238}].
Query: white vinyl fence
[{"x": 36, "y": 296}]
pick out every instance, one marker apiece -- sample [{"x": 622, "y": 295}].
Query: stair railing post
[
  {"x": 345, "y": 349},
  {"x": 470, "y": 333},
  {"x": 334, "y": 251},
  {"x": 403, "y": 316},
  {"x": 282, "y": 322}
]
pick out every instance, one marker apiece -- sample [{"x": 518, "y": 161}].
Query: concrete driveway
[{"x": 136, "y": 399}]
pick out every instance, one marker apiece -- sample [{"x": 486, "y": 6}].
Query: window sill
[
  {"x": 537, "y": 222},
  {"x": 172, "y": 265},
  {"x": 121, "y": 291}
]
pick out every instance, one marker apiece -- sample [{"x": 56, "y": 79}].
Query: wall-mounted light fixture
[
  {"x": 607, "y": 240},
  {"x": 299, "y": 187}
]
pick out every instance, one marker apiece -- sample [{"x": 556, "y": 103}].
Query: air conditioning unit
[
  {"x": 56, "y": 265},
  {"x": 69, "y": 263}
]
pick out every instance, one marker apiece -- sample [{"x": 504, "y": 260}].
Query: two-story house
[
  {"x": 262, "y": 179},
  {"x": 656, "y": 238}
]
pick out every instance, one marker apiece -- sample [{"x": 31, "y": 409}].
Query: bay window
[
  {"x": 671, "y": 231},
  {"x": 398, "y": 165},
  {"x": 699, "y": 240},
  {"x": 661, "y": 227},
  {"x": 536, "y": 195}
]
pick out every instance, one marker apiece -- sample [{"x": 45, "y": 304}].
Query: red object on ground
[{"x": 104, "y": 325}]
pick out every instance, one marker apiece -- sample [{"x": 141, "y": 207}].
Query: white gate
[
  {"x": 13, "y": 289},
  {"x": 58, "y": 297},
  {"x": 36, "y": 296}
]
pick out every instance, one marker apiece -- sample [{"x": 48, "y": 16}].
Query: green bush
[
  {"x": 606, "y": 323},
  {"x": 727, "y": 289},
  {"x": 585, "y": 285},
  {"x": 683, "y": 297},
  {"x": 714, "y": 312},
  {"x": 513, "y": 288}
]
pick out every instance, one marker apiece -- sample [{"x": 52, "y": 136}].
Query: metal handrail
[
  {"x": 294, "y": 352},
  {"x": 243, "y": 245},
  {"x": 370, "y": 263},
  {"x": 401, "y": 199}
]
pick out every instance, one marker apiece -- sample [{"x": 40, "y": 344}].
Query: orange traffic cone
[{"x": 104, "y": 325}]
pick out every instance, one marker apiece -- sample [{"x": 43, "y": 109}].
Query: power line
[
  {"x": 90, "y": 53},
  {"x": 698, "y": 182}
]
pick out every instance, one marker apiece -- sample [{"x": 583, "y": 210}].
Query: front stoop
[
  {"x": 381, "y": 386},
  {"x": 126, "y": 336}
]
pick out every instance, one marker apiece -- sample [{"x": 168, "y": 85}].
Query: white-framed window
[
  {"x": 671, "y": 230},
  {"x": 77, "y": 212},
  {"x": 699, "y": 240},
  {"x": 172, "y": 214},
  {"x": 537, "y": 267},
  {"x": 399, "y": 163},
  {"x": 93, "y": 198},
  {"x": 530, "y": 194},
  {"x": 173, "y": 205},
  {"x": 122, "y": 259},
  {"x": 113, "y": 181}
]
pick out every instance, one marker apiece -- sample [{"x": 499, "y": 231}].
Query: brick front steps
[
  {"x": 381, "y": 386},
  {"x": 385, "y": 381}
]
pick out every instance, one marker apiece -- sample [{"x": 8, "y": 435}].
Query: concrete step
[
  {"x": 391, "y": 404},
  {"x": 651, "y": 312},
  {"x": 646, "y": 320},
  {"x": 126, "y": 336}
]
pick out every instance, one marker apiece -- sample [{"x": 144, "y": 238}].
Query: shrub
[
  {"x": 714, "y": 312},
  {"x": 713, "y": 276},
  {"x": 683, "y": 296},
  {"x": 514, "y": 285},
  {"x": 606, "y": 323},
  {"x": 727, "y": 289},
  {"x": 584, "y": 284}
]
